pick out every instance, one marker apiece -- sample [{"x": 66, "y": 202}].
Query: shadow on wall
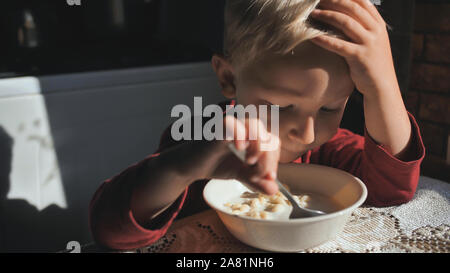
[{"x": 23, "y": 228}]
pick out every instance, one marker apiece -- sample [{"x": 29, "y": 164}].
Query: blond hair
[{"x": 255, "y": 27}]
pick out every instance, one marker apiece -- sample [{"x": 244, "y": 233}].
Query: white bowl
[{"x": 291, "y": 235}]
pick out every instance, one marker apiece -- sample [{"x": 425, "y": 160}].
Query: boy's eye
[
  {"x": 281, "y": 107},
  {"x": 328, "y": 110}
]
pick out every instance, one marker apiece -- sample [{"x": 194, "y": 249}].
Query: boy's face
[{"x": 311, "y": 87}]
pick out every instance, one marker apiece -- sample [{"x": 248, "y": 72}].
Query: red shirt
[{"x": 389, "y": 181}]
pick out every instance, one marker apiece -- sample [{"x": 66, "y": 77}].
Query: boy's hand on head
[
  {"x": 367, "y": 52},
  {"x": 367, "y": 49}
]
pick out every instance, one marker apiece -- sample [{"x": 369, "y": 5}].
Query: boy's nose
[{"x": 304, "y": 132}]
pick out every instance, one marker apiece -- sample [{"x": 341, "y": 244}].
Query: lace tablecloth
[{"x": 421, "y": 225}]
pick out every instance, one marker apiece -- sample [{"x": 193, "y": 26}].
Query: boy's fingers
[
  {"x": 263, "y": 164},
  {"x": 349, "y": 26},
  {"x": 235, "y": 131},
  {"x": 367, "y": 5},
  {"x": 352, "y": 9},
  {"x": 268, "y": 186},
  {"x": 262, "y": 169},
  {"x": 271, "y": 156},
  {"x": 274, "y": 160},
  {"x": 267, "y": 164},
  {"x": 254, "y": 150},
  {"x": 270, "y": 161},
  {"x": 336, "y": 45},
  {"x": 247, "y": 174},
  {"x": 266, "y": 167}
]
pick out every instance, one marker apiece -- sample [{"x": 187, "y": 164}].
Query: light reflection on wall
[{"x": 35, "y": 174}]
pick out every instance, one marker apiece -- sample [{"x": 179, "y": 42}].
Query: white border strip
[{"x": 20, "y": 86}]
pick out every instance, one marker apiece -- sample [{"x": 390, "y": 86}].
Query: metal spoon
[{"x": 297, "y": 211}]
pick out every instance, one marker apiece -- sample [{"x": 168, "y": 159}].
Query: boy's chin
[{"x": 289, "y": 156}]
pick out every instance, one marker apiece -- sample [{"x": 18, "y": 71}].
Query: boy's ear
[{"x": 225, "y": 75}]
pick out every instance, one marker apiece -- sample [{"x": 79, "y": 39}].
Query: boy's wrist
[
  {"x": 381, "y": 89},
  {"x": 200, "y": 159},
  {"x": 186, "y": 162},
  {"x": 168, "y": 165},
  {"x": 387, "y": 120},
  {"x": 383, "y": 96}
]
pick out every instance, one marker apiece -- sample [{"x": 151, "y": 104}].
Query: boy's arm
[
  {"x": 136, "y": 207},
  {"x": 368, "y": 54},
  {"x": 114, "y": 222},
  {"x": 388, "y": 158},
  {"x": 387, "y": 121},
  {"x": 124, "y": 214}
]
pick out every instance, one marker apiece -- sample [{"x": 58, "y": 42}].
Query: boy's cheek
[{"x": 326, "y": 131}]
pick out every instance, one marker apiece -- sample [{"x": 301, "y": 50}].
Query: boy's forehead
[{"x": 308, "y": 67}]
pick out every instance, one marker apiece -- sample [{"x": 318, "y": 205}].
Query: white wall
[{"x": 71, "y": 132}]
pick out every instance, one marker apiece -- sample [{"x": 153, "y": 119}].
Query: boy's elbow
[
  {"x": 387, "y": 190},
  {"x": 408, "y": 196},
  {"x": 101, "y": 239},
  {"x": 401, "y": 197},
  {"x": 111, "y": 230},
  {"x": 390, "y": 198},
  {"x": 110, "y": 237},
  {"x": 100, "y": 232}
]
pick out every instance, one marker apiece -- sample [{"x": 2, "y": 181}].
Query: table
[{"x": 421, "y": 225}]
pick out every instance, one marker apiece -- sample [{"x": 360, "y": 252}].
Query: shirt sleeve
[
  {"x": 389, "y": 180},
  {"x": 111, "y": 220}
]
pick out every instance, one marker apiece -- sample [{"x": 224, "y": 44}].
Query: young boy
[{"x": 274, "y": 55}]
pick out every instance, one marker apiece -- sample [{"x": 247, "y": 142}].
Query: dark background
[{"x": 105, "y": 34}]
